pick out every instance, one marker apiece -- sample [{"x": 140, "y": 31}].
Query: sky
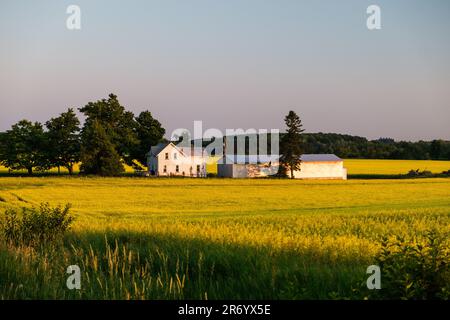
[{"x": 234, "y": 63}]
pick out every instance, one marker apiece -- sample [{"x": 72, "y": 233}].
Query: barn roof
[
  {"x": 320, "y": 158},
  {"x": 248, "y": 159}
]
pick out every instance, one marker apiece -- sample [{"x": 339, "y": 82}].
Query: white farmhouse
[{"x": 167, "y": 159}]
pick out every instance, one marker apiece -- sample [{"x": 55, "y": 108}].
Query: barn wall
[
  {"x": 240, "y": 171},
  {"x": 225, "y": 170},
  {"x": 321, "y": 170},
  {"x": 232, "y": 170}
]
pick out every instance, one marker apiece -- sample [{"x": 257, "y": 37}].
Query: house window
[
  {"x": 177, "y": 168},
  {"x": 167, "y": 156},
  {"x": 198, "y": 168},
  {"x": 165, "y": 169},
  {"x": 175, "y": 156}
]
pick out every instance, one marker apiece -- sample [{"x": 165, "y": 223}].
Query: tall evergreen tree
[
  {"x": 63, "y": 140},
  {"x": 98, "y": 153},
  {"x": 291, "y": 143}
]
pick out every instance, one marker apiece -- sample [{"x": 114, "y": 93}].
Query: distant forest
[{"x": 348, "y": 146}]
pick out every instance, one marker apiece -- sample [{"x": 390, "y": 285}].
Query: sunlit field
[
  {"x": 148, "y": 238},
  {"x": 367, "y": 166}
]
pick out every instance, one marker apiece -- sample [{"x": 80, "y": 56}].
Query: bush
[
  {"x": 36, "y": 225},
  {"x": 446, "y": 173},
  {"x": 421, "y": 174},
  {"x": 415, "y": 270}
]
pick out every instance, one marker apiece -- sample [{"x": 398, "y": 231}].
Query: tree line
[
  {"x": 110, "y": 136},
  {"x": 347, "y": 146},
  {"x": 354, "y": 147}
]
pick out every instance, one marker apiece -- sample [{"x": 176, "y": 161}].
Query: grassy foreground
[{"x": 217, "y": 238}]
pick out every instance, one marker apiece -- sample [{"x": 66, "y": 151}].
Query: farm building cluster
[{"x": 168, "y": 159}]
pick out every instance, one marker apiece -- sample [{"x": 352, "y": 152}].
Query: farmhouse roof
[
  {"x": 155, "y": 150},
  {"x": 191, "y": 150},
  {"x": 320, "y": 158}
]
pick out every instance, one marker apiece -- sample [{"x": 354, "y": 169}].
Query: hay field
[
  {"x": 392, "y": 167},
  {"x": 145, "y": 238}
]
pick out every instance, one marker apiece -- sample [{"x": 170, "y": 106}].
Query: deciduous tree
[
  {"x": 23, "y": 147},
  {"x": 63, "y": 140}
]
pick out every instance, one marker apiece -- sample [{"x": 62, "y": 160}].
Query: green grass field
[{"x": 137, "y": 238}]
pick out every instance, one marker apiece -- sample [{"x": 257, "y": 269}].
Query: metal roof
[
  {"x": 249, "y": 159},
  {"x": 320, "y": 158}
]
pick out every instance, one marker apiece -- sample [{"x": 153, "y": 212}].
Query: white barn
[
  {"x": 321, "y": 166},
  {"x": 313, "y": 166},
  {"x": 167, "y": 159},
  {"x": 240, "y": 166}
]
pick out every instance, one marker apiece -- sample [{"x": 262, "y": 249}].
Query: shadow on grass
[{"x": 129, "y": 265}]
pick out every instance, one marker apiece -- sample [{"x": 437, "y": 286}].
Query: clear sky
[{"x": 234, "y": 63}]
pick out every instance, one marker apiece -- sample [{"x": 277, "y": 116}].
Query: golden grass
[
  {"x": 225, "y": 208},
  {"x": 366, "y": 166},
  {"x": 220, "y": 238}
]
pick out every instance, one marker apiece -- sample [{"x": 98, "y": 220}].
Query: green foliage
[
  {"x": 415, "y": 269},
  {"x": 36, "y": 226},
  {"x": 118, "y": 125},
  {"x": 291, "y": 143},
  {"x": 149, "y": 132},
  {"x": 63, "y": 140},
  {"x": 98, "y": 154},
  {"x": 422, "y": 174},
  {"x": 22, "y": 147},
  {"x": 122, "y": 136},
  {"x": 347, "y": 146}
]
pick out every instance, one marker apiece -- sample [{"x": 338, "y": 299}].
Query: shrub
[
  {"x": 415, "y": 270},
  {"x": 421, "y": 174},
  {"x": 446, "y": 173},
  {"x": 36, "y": 225}
]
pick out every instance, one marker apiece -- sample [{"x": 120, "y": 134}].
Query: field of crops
[
  {"x": 390, "y": 167},
  {"x": 150, "y": 238}
]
